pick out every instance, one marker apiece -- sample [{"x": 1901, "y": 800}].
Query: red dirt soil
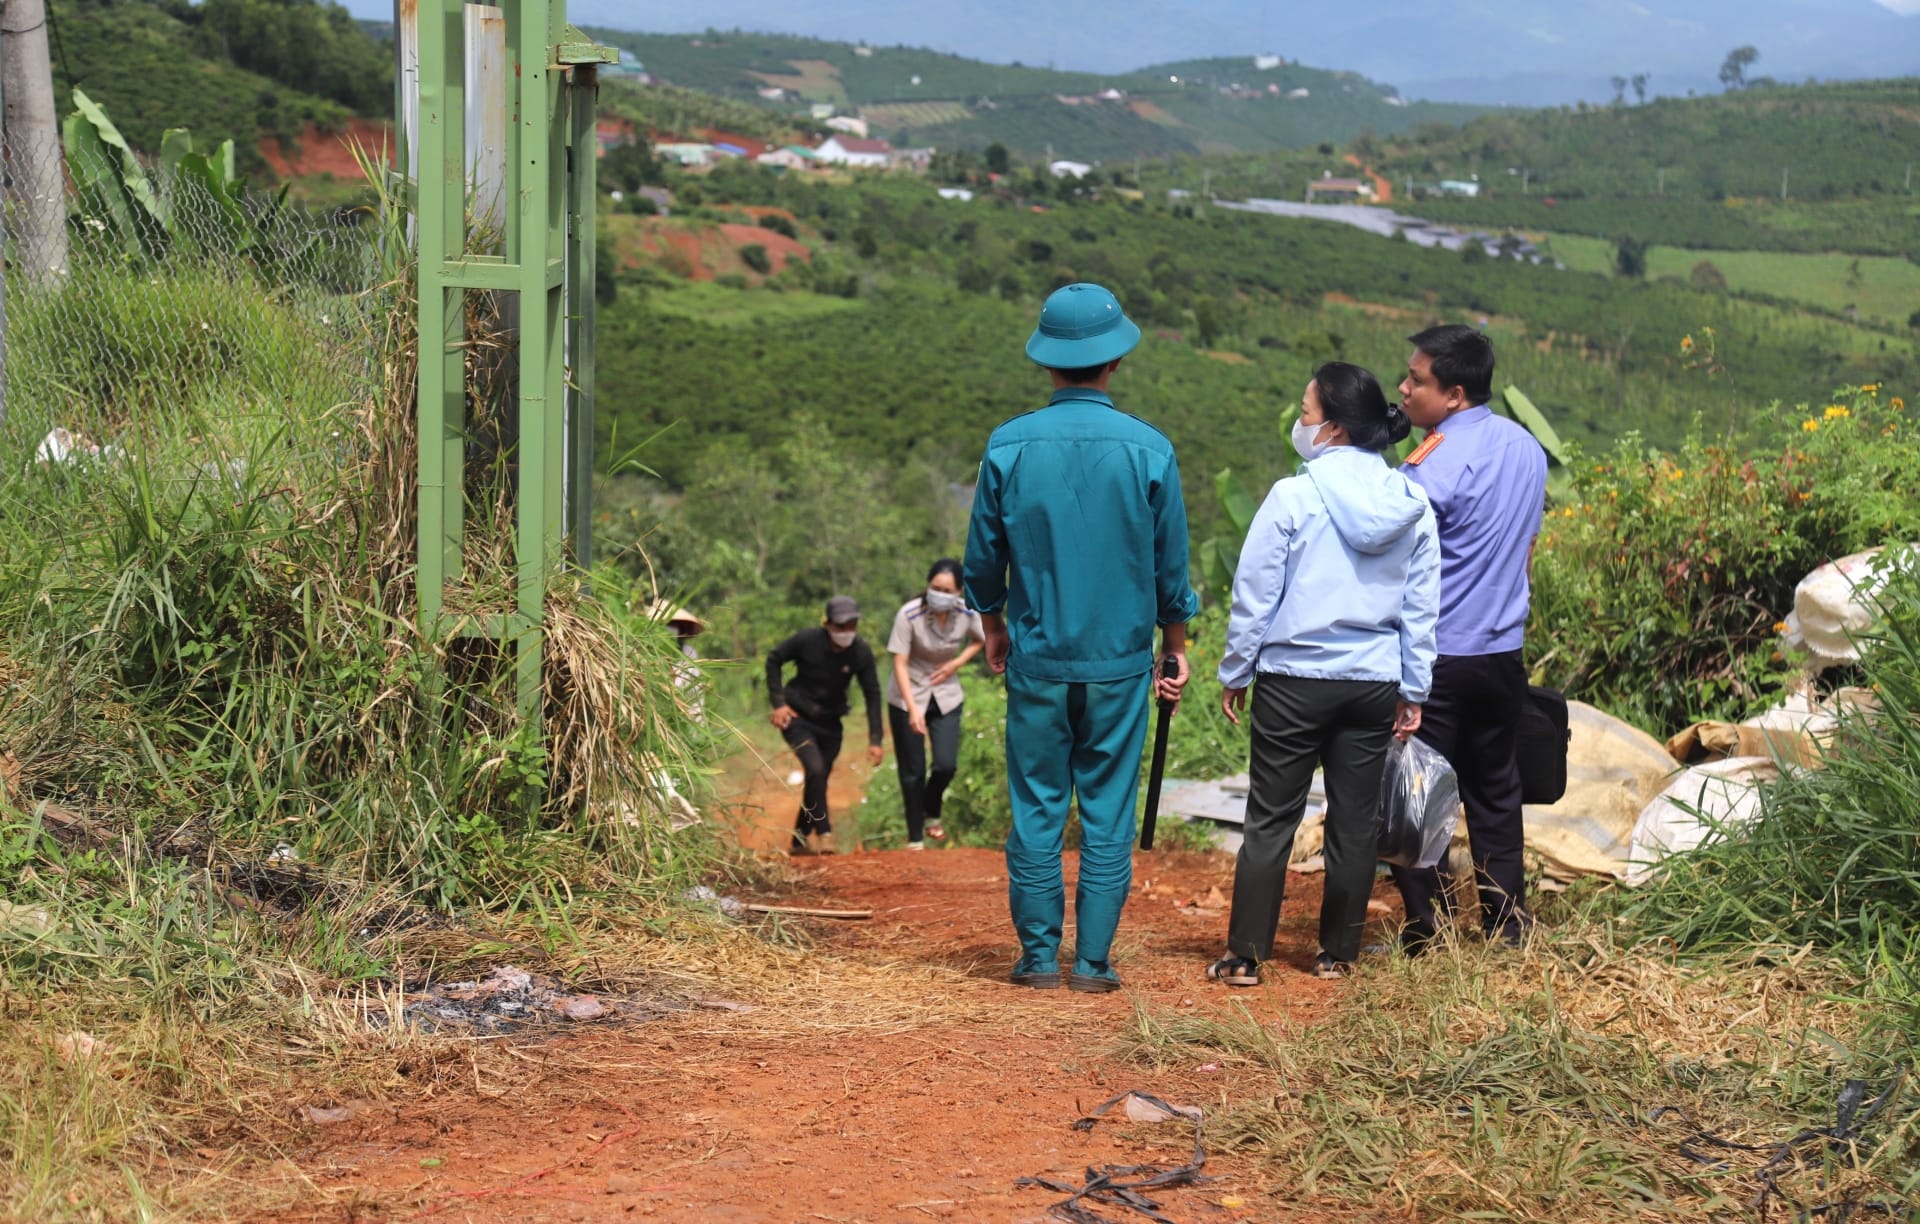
[
  {"x": 666, "y": 1121},
  {"x": 710, "y": 251},
  {"x": 319, "y": 152}
]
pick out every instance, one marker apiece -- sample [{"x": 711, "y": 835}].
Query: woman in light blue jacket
[{"x": 1334, "y": 605}]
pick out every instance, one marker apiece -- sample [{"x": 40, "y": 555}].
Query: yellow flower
[
  {"x": 1835, "y": 411},
  {"x": 1810, "y": 425},
  {"x": 1779, "y": 626},
  {"x": 1870, "y": 388},
  {"x": 1677, "y": 474},
  {"x": 1686, "y": 344},
  {"x": 1897, "y": 404}
]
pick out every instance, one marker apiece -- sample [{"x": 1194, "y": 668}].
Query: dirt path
[{"x": 917, "y": 1085}]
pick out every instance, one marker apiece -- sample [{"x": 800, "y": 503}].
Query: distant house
[
  {"x": 1069, "y": 169},
  {"x": 686, "y": 153},
  {"x": 848, "y": 124},
  {"x": 612, "y": 133},
  {"x": 733, "y": 142},
  {"x": 628, "y": 68},
  {"x": 1459, "y": 187},
  {"x": 661, "y": 197},
  {"x": 1299, "y": 93},
  {"x": 1266, "y": 63},
  {"x": 1339, "y": 191},
  {"x": 821, "y": 110},
  {"x": 956, "y": 193},
  {"x": 864, "y": 52},
  {"x": 772, "y": 93},
  {"x": 912, "y": 159},
  {"x": 1111, "y": 95},
  {"x": 793, "y": 157},
  {"x": 855, "y": 151}
]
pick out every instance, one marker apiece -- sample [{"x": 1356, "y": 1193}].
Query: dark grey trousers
[{"x": 1344, "y": 726}]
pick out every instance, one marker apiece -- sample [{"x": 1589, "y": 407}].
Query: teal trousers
[{"x": 1068, "y": 742}]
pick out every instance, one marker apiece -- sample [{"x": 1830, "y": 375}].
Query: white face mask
[
  {"x": 941, "y": 601},
  {"x": 842, "y": 638},
  {"x": 1303, "y": 440}
]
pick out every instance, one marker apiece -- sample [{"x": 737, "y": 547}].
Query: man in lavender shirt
[{"x": 1486, "y": 478}]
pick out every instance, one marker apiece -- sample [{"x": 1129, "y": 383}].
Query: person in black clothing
[{"x": 826, "y": 660}]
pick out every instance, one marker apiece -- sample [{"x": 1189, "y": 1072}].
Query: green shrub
[{"x": 1661, "y": 579}]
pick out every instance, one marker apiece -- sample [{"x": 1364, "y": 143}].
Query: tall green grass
[
  {"x": 239, "y": 777},
  {"x": 1834, "y": 859}
]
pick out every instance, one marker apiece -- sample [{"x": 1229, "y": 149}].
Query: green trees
[
  {"x": 1630, "y": 257},
  {"x": 631, "y": 165},
  {"x": 1733, "y": 70},
  {"x": 314, "y": 46}
]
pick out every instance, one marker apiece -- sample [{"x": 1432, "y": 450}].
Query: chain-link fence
[{"x": 170, "y": 285}]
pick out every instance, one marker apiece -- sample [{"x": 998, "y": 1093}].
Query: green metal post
[
  {"x": 547, "y": 258},
  {"x": 582, "y": 306},
  {"x": 440, "y": 199}
]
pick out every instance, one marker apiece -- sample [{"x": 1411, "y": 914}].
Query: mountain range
[{"x": 1521, "y": 52}]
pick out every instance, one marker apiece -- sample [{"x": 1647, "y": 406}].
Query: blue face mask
[
  {"x": 940, "y": 601},
  {"x": 1303, "y": 440}
]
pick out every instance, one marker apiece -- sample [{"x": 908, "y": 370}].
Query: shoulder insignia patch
[{"x": 1426, "y": 448}]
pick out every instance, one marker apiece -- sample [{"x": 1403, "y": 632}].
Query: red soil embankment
[{"x": 329, "y": 152}]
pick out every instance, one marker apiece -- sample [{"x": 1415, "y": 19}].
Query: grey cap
[{"x": 841, "y": 609}]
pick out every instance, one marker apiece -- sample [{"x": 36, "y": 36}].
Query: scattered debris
[
  {"x": 25, "y": 919},
  {"x": 509, "y": 999},
  {"x": 1840, "y": 1145},
  {"x": 1120, "y": 1185},
  {"x": 730, "y": 906},
  {"x": 733, "y": 907},
  {"x": 62, "y": 445},
  {"x": 1143, "y": 1108},
  {"x": 328, "y": 1116},
  {"x": 801, "y": 911},
  {"x": 78, "y": 1047},
  {"x": 1212, "y": 905}
]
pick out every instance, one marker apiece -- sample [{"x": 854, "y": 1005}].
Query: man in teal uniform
[{"x": 1076, "y": 550}]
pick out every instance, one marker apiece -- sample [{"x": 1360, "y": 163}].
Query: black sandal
[
  {"x": 1328, "y": 969},
  {"x": 1234, "y": 971}
]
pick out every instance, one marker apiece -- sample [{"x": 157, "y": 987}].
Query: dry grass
[{"x": 1531, "y": 1086}]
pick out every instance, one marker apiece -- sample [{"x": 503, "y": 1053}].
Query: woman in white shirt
[{"x": 934, "y": 635}]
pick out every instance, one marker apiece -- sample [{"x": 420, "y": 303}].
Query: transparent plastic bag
[{"x": 1419, "y": 805}]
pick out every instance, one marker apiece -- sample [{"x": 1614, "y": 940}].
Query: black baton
[{"x": 1168, "y": 669}]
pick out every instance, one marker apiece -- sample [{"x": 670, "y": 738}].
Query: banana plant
[
  {"x": 1220, "y": 556},
  {"x": 112, "y": 186},
  {"x": 192, "y": 202}
]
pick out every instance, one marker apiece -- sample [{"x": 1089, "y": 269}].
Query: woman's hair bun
[{"x": 1398, "y": 426}]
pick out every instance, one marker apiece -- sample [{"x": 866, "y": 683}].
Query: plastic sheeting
[
  {"x": 1613, "y": 770},
  {"x": 1718, "y": 796},
  {"x": 1834, "y": 605}
]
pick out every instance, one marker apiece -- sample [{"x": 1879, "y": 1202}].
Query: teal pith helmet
[{"x": 1080, "y": 326}]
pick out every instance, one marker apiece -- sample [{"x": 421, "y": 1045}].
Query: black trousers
[
  {"x": 1473, "y": 719},
  {"x": 920, "y": 789},
  {"x": 816, "y": 744},
  {"x": 1344, "y": 726}
]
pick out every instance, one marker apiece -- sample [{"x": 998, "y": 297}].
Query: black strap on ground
[
  {"x": 1851, "y": 1111},
  {"x": 1120, "y": 1185}
]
